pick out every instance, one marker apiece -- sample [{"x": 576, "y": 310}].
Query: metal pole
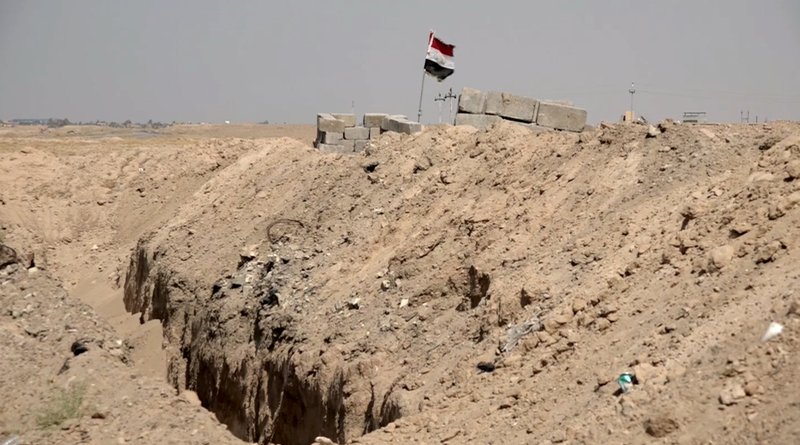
[
  {"x": 422, "y": 87},
  {"x": 632, "y": 91}
]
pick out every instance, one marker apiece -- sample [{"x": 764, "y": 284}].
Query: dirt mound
[{"x": 461, "y": 286}]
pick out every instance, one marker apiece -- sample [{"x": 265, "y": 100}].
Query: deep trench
[{"x": 262, "y": 397}]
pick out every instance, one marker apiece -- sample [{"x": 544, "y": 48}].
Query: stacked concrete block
[
  {"x": 561, "y": 117},
  {"x": 494, "y": 102},
  {"x": 479, "y": 121},
  {"x": 373, "y": 120},
  {"x": 472, "y": 101},
  {"x": 400, "y": 124},
  {"x": 482, "y": 109},
  {"x": 356, "y": 133},
  {"x": 338, "y": 133},
  {"x": 349, "y": 119},
  {"x": 328, "y": 137},
  {"x": 326, "y": 122}
]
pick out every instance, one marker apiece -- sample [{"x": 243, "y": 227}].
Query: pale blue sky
[{"x": 285, "y": 61}]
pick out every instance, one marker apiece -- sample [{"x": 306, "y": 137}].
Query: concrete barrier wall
[
  {"x": 481, "y": 109},
  {"x": 338, "y": 132}
]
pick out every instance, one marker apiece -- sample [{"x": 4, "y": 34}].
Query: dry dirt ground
[{"x": 449, "y": 287}]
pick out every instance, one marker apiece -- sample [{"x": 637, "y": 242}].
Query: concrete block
[
  {"x": 349, "y": 119},
  {"x": 326, "y": 122},
  {"x": 493, "y": 103},
  {"x": 348, "y": 146},
  {"x": 360, "y": 146},
  {"x": 328, "y": 137},
  {"x": 356, "y": 133},
  {"x": 479, "y": 121},
  {"x": 386, "y": 119},
  {"x": 518, "y": 108},
  {"x": 471, "y": 101},
  {"x": 374, "y": 132},
  {"x": 409, "y": 127},
  {"x": 561, "y": 117},
  {"x": 559, "y": 102},
  {"x": 373, "y": 119},
  {"x": 402, "y": 125}
]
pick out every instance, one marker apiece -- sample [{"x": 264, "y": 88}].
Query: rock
[
  {"x": 652, "y": 132},
  {"x": 710, "y": 134},
  {"x": 578, "y": 305},
  {"x": 563, "y": 318},
  {"x": 602, "y": 324},
  {"x": 793, "y": 169},
  {"x": 559, "y": 437},
  {"x": 761, "y": 177},
  {"x": 404, "y": 302},
  {"x": 660, "y": 426},
  {"x": 7, "y": 256},
  {"x": 693, "y": 211},
  {"x": 386, "y": 285},
  {"x": 753, "y": 388},
  {"x": 545, "y": 338},
  {"x": 551, "y": 325},
  {"x": 648, "y": 374},
  {"x": 607, "y": 309},
  {"x": 721, "y": 256},
  {"x": 731, "y": 394},
  {"x": 791, "y": 200},
  {"x": 794, "y": 309},
  {"x": 767, "y": 252},
  {"x": 322, "y": 440}
]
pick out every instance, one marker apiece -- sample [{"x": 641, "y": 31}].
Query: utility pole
[
  {"x": 632, "y": 90},
  {"x": 439, "y": 98},
  {"x": 450, "y": 96}
]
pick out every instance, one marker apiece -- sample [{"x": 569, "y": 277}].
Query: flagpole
[{"x": 422, "y": 87}]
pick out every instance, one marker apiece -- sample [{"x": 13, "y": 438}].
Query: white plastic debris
[{"x": 773, "y": 331}]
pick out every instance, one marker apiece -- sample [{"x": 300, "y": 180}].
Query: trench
[{"x": 244, "y": 362}]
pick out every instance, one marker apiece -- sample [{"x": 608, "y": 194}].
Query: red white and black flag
[{"x": 439, "y": 60}]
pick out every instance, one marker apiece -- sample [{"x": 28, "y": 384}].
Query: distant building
[
  {"x": 29, "y": 121},
  {"x": 694, "y": 117}
]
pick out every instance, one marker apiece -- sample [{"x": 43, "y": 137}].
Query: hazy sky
[{"x": 285, "y": 61}]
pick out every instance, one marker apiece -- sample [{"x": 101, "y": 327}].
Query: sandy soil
[{"x": 449, "y": 287}]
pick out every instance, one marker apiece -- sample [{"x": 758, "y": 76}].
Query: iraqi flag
[{"x": 439, "y": 60}]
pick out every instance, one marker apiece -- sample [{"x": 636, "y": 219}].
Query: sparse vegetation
[{"x": 64, "y": 404}]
